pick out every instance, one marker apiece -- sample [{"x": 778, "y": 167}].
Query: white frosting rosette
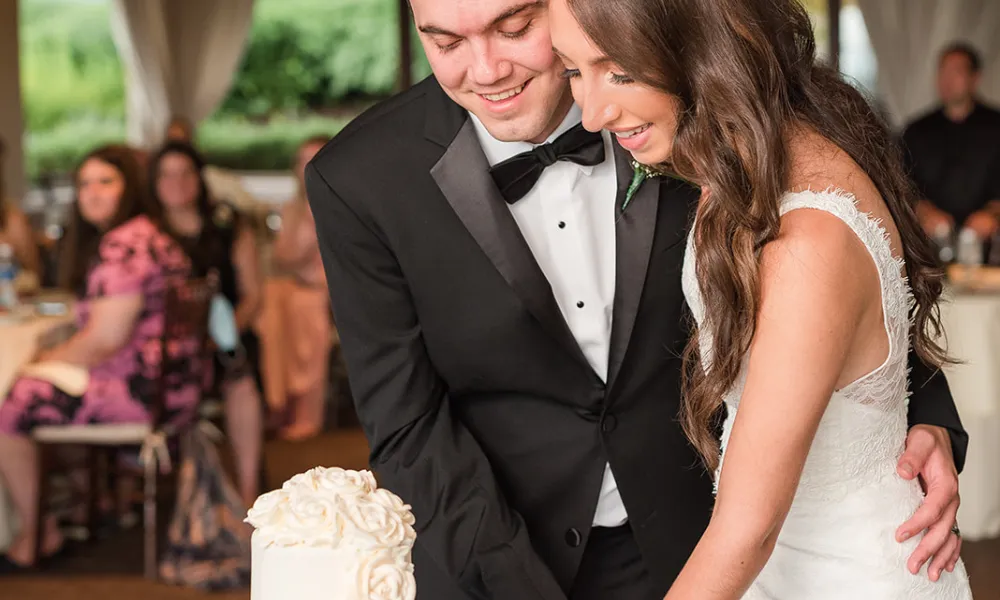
[
  {"x": 384, "y": 577},
  {"x": 394, "y": 503},
  {"x": 337, "y": 508},
  {"x": 345, "y": 483}
]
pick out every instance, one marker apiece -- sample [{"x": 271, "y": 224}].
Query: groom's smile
[{"x": 505, "y": 100}]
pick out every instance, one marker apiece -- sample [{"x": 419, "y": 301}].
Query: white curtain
[
  {"x": 180, "y": 57},
  {"x": 908, "y": 35}
]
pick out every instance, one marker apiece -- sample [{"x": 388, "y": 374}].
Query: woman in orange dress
[{"x": 297, "y": 328}]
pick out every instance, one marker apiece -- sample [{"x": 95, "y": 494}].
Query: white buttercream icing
[{"x": 369, "y": 530}]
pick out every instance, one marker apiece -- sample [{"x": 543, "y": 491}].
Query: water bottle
[
  {"x": 8, "y": 272},
  {"x": 945, "y": 243},
  {"x": 970, "y": 248}
]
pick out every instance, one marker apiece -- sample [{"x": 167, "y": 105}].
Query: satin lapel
[
  {"x": 634, "y": 232},
  {"x": 464, "y": 179}
]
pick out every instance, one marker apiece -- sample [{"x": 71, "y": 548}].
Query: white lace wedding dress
[{"x": 838, "y": 541}]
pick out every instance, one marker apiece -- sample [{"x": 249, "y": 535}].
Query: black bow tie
[{"x": 517, "y": 175}]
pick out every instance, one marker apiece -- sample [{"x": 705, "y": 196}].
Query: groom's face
[{"x": 494, "y": 58}]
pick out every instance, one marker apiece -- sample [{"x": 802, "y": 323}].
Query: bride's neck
[{"x": 808, "y": 155}]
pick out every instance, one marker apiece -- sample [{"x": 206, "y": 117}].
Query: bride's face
[{"x": 644, "y": 119}]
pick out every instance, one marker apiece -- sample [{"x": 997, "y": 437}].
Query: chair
[{"x": 186, "y": 318}]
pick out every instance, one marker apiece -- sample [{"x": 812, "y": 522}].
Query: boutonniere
[{"x": 640, "y": 173}]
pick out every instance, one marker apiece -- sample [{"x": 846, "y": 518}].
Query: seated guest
[
  {"x": 954, "y": 152},
  {"x": 223, "y": 184},
  {"x": 16, "y": 230},
  {"x": 120, "y": 265},
  {"x": 297, "y": 328},
  {"x": 213, "y": 237}
]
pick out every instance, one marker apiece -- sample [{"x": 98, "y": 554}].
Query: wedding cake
[{"x": 331, "y": 534}]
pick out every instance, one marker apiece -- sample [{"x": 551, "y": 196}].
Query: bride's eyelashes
[
  {"x": 620, "y": 79},
  {"x": 614, "y": 78}
]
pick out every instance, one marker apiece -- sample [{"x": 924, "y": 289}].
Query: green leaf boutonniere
[{"x": 640, "y": 173}]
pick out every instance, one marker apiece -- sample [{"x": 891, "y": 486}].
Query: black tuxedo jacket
[{"x": 480, "y": 408}]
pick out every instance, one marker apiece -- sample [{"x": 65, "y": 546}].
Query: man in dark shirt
[{"x": 954, "y": 152}]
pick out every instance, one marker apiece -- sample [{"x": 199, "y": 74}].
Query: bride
[{"x": 808, "y": 277}]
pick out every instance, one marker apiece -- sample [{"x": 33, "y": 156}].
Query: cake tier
[{"x": 303, "y": 573}]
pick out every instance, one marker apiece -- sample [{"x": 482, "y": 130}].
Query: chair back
[{"x": 188, "y": 304}]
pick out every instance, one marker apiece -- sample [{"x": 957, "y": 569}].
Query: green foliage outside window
[{"x": 309, "y": 66}]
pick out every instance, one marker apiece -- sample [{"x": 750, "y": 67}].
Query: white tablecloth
[
  {"x": 19, "y": 342},
  {"x": 972, "y": 325}
]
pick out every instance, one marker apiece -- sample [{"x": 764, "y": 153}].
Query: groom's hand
[{"x": 928, "y": 455}]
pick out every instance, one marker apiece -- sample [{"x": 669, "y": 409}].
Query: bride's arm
[{"x": 816, "y": 281}]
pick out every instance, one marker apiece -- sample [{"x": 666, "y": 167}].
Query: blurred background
[{"x": 246, "y": 91}]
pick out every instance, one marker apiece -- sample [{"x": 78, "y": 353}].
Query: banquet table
[
  {"x": 971, "y": 322},
  {"x": 22, "y": 335}
]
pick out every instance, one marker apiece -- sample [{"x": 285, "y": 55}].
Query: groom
[{"x": 513, "y": 336}]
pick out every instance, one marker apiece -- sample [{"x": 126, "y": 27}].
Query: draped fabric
[
  {"x": 908, "y": 35},
  {"x": 180, "y": 58}
]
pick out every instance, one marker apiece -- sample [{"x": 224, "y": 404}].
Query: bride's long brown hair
[{"x": 745, "y": 72}]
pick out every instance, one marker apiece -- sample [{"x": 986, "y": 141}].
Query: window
[
  {"x": 856, "y": 58},
  {"x": 309, "y": 67},
  {"x": 72, "y": 84}
]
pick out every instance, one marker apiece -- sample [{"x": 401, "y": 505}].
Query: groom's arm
[
  {"x": 418, "y": 449},
  {"x": 931, "y": 403}
]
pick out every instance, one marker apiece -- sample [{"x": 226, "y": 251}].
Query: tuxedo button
[
  {"x": 573, "y": 537},
  {"x": 609, "y": 423}
]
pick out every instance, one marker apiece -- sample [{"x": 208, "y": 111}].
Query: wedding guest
[
  {"x": 954, "y": 151},
  {"x": 213, "y": 236},
  {"x": 120, "y": 265},
  {"x": 223, "y": 184},
  {"x": 15, "y": 229},
  {"x": 297, "y": 327}
]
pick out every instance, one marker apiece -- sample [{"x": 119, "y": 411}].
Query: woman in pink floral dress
[{"x": 120, "y": 265}]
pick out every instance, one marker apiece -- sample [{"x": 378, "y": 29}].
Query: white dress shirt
[{"x": 568, "y": 221}]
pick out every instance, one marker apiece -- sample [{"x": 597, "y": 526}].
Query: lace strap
[
  {"x": 896, "y": 297},
  {"x": 869, "y": 230}
]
